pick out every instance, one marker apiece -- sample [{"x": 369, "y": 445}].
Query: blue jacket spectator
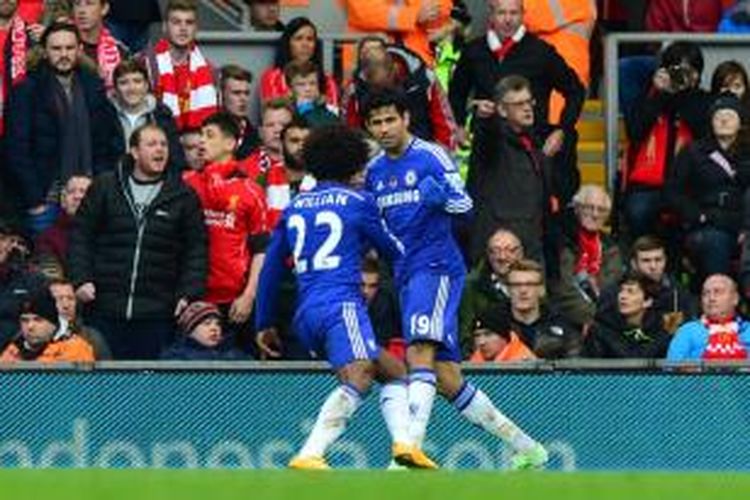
[{"x": 720, "y": 334}]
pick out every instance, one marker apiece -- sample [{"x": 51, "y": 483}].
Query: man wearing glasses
[
  {"x": 509, "y": 49},
  {"x": 539, "y": 327},
  {"x": 514, "y": 188}
]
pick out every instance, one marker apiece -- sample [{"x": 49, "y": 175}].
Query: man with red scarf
[
  {"x": 720, "y": 334},
  {"x": 98, "y": 43},
  {"x": 181, "y": 77}
]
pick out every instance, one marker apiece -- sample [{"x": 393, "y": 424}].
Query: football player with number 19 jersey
[
  {"x": 327, "y": 232},
  {"x": 418, "y": 190}
]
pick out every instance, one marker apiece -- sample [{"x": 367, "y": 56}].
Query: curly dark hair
[{"x": 335, "y": 152}]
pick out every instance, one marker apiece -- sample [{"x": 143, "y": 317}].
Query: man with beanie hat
[
  {"x": 203, "y": 337},
  {"x": 706, "y": 189},
  {"x": 45, "y": 336},
  {"x": 494, "y": 339}
]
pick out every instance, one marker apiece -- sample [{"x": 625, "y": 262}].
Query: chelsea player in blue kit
[
  {"x": 327, "y": 231},
  {"x": 419, "y": 192}
]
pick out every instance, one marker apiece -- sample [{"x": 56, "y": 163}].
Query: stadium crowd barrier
[
  {"x": 591, "y": 415},
  {"x": 716, "y": 49}
]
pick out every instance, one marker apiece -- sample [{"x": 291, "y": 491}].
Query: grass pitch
[{"x": 365, "y": 485}]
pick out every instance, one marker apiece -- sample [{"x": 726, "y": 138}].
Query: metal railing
[
  {"x": 234, "y": 12},
  {"x": 539, "y": 366},
  {"x": 710, "y": 42}
]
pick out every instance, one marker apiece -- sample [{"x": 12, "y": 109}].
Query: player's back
[{"x": 327, "y": 235}]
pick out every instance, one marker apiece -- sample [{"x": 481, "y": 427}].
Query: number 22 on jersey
[{"x": 323, "y": 257}]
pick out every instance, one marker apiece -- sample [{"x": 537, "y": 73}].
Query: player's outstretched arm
[
  {"x": 270, "y": 276},
  {"x": 385, "y": 242}
]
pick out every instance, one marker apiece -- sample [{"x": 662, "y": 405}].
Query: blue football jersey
[
  {"x": 426, "y": 231},
  {"x": 327, "y": 232}
]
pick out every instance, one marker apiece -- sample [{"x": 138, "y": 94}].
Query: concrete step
[{"x": 592, "y": 173}]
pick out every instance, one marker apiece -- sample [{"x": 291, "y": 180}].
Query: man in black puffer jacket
[{"x": 138, "y": 249}]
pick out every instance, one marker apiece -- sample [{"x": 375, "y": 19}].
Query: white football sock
[
  {"x": 479, "y": 410},
  {"x": 422, "y": 391},
  {"x": 394, "y": 404},
  {"x": 332, "y": 419}
]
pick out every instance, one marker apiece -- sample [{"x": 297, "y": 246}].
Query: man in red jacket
[{"x": 235, "y": 215}]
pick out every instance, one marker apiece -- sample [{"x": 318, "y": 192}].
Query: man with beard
[{"x": 60, "y": 123}]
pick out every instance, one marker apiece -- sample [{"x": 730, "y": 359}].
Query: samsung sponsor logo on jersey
[
  {"x": 323, "y": 199},
  {"x": 398, "y": 198}
]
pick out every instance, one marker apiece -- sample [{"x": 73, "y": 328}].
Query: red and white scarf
[
  {"x": 107, "y": 57},
  {"x": 589, "y": 253},
  {"x": 723, "y": 339},
  {"x": 501, "y": 48},
  {"x": 202, "y": 101},
  {"x": 19, "y": 48}
]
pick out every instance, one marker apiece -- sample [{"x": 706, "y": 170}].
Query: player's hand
[
  {"x": 86, "y": 293},
  {"x": 269, "y": 343},
  {"x": 432, "y": 193},
  {"x": 241, "y": 308},
  {"x": 554, "y": 143}
]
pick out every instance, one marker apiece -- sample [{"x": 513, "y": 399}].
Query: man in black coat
[
  {"x": 512, "y": 180},
  {"x": 138, "y": 251},
  {"x": 507, "y": 49},
  {"x": 60, "y": 123}
]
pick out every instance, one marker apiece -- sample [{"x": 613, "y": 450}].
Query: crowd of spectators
[{"x": 138, "y": 194}]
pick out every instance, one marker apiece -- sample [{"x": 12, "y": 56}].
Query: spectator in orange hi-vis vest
[
  {"x": 44, "y": 336},
  {"x": 406, "y": 21},
  {"x": 494, "y": 339},
  {"x": 567, "y": 26}
]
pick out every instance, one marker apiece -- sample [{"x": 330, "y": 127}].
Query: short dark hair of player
[
  {"x": 370, "y": 265},
  {"x": 234, "y": 72},
  {"x": 58, "y": 26},
  {"x": 335, "y": 152},
  {"x": 130, "y": 66},
  {"x": 298, "y": 121},
  {"x": 384, "y": 99},
  {"x": 225, "y": 122},
  {"x": 135, "y": 137},
  {"x": 510, "y": 83}
]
